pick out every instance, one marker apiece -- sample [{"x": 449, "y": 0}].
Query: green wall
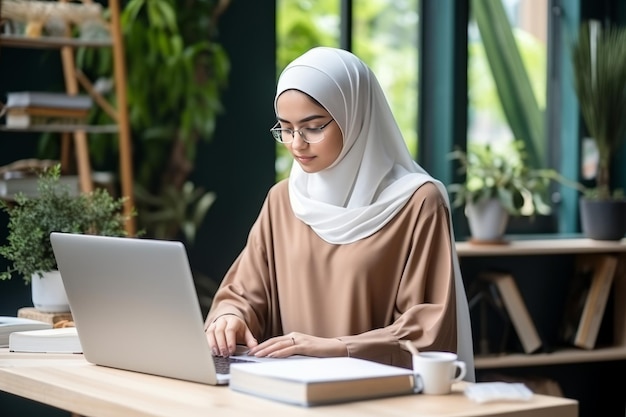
[
  {"x": 21, "y": 70},
  {"x": 239, "y": 162}
]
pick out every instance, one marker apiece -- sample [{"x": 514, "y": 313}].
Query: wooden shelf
[
  {"x": 551, "y": 245},
  {"x": 64, "y": 128},
  {"x": 565, "y": 356},
  {"x": 540, "y": 247},
  {"x": 18, "y": 41},
  {"x": 74, "y": 79}
]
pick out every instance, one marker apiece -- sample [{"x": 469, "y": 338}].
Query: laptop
[{"x": 135, "y": 306}]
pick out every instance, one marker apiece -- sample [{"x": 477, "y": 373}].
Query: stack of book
[
  {"x": 29, "y": 109},
  {"x": 28, "y": 185},
  {"x": 22, "y": 176}
]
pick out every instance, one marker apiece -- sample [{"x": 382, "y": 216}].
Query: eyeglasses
[{"x": 308, "y": 134}]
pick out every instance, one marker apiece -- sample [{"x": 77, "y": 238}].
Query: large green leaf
[{"x": 514, "y": 87}]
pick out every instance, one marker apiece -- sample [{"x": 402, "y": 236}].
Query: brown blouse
[{"x": 397, "y": 284}]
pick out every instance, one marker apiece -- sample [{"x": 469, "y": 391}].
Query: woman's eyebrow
[{"x": 304, "y": 120}]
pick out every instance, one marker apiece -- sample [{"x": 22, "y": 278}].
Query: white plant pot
[
  {"x": 487, "y": 220},
  {"x": 48, "y": 293}
]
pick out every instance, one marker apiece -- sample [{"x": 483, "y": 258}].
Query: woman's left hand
[{"x": 299, "y": 344}]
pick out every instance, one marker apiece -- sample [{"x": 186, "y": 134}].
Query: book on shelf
[
  {"x": 587, "y": 300},
  {"x": 317, "y": 381},
  {"x": 506, "y": 292},
  {"x": 10, "y": 324},
  {"x": 27, "y": 185},
  {"x": 23, "y": 117},
  {"x": 50, "y": 112},
  {"x": 619, "y": 305},
  {"x": 55, "y": 340},
  {"x": 23, "y": 120},
  {"x": 24, "y": 99}
]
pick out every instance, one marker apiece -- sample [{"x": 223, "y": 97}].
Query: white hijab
[{"x": 374, "y": 175}]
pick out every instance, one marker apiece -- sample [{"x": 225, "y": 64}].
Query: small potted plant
[
  {"x": 54, "y": 208},
  {"x": 599, "y": 64},
  {"x": 499, "y": 184}
]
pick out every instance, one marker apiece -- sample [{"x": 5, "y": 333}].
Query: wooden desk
[{"x": 68, "y": 382}]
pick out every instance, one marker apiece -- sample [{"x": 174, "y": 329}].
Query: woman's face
[{"x": 297, "y": 111}]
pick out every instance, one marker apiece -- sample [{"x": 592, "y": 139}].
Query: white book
[
  {"x": 23, "y": 99},
  {"x": 62, "y": 340},
  {"x": 316, "y": 381},
  {"x": 23, "y": 120},
  {"x": 10, "y": 324},
  {"x": 28, "y": 186}
]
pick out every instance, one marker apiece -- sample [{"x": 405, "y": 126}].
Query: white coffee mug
[{"x": 437, "y": 371}]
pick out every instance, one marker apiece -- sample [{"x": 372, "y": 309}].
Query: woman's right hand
[{"x": 226, "y": 332}]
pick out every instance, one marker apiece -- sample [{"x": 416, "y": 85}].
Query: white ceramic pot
[
  {"x": 48, "y": 293},
  {"x": 487, "y": 220}
]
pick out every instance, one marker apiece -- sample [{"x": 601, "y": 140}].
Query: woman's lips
[{"x": 304, "y": 159}]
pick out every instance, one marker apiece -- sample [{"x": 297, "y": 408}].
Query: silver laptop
[{"x": 135, "y": 306}]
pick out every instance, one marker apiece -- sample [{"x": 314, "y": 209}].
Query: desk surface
[{"x": 68, "y": 382}]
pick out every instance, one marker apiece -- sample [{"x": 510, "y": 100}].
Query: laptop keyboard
[{"x": 222, "y": 364}]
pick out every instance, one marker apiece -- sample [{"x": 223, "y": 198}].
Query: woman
[{"x": 353, "y": 254}]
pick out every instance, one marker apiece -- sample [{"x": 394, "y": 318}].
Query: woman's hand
[
  {"x": 299, "y": 344},
  {"x": 226, "y": 332}
]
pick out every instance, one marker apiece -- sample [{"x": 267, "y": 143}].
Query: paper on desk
[
  {"x": 9, "y": 324},
  {"x": 483, "y": 392}
]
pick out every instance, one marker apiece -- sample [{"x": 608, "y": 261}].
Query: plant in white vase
[
  {"x": 54, "y": 208},
  {"x": 499, "y": 184}
]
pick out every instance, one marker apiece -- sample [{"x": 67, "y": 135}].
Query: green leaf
[{"x": 514, "y": 87}]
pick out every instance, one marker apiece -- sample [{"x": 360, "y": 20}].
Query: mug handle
[{"x": 460, "y": 366}]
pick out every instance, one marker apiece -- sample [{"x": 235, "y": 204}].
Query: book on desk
[
  {"x": 9, "y": 324},
  {"x": 317, "y": 381},
  {"x": 55, "y": 340}
]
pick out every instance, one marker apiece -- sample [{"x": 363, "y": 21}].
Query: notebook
[{"x": 135, "y": 306}]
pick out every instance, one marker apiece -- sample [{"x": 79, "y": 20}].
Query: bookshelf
[
  {"x": 74, "y": 81},
  {"x": 558, "y": 246},
  {"x": 561, "y": 357},
  {"x": 541, "y": 247}
]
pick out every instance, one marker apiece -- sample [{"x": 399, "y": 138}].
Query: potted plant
[
  {"x": 499, "y": 184},
  {"x": 599, "y": 65},
  {"x": 54, "y": 208}
]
